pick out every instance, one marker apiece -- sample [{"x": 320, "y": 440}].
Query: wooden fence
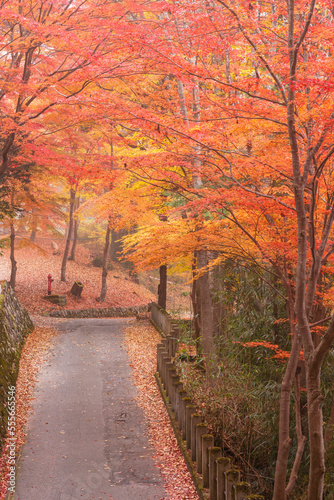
[{"x": 216, "y": 474}]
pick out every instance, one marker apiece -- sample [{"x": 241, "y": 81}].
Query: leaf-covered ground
[
  {"x": 35, "y": 262},
  {"x": 33, "y": 355},
  {"x": 141, "y": 341}
]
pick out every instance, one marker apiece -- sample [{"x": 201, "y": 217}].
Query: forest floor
[{"x": 36, "y": 260}]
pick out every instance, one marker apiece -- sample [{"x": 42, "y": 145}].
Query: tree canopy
[{"x": 208, "y": 127}]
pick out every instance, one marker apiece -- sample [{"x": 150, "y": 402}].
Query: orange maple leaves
[{"x": 280, "y": 355}]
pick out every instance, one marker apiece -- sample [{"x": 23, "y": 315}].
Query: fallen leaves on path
[
  {"x": 141, "y": 341},
  {"x": 33, "y": 355}
]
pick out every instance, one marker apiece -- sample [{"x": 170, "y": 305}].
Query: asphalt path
[{"x": 87, "y": 437}]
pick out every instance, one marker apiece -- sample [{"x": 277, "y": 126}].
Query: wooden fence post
[
  {"x": 207, "y": 442},
  {"x": 159, "y": 349},
  {"x": 172, "y": 346},
  {"x": 195, "y": 419},
  {"x": 170, "y": 372},
  {"x": 165, "y": 358},
  {"x": 185, "y": 402},
  {"x": 168, "y": 366},
  {"x": 175, "y": 344},
  {"x": 174, "y": 383},
  {"x": 164, "y": 342},
  {"x": 242, "y": 490},
  {"x": 214, "y": 453},
  {"x": 175, "y": 332},
  {"x": 232, "y": 477},
  {"x": 182, "y": 394},
  {"x": 179, "y": 388},
  {"x": 189, "y": 410},
  {"x": 223, "y": 465},
  {"x": 201, "y": 429},
  {"x": 223, "y": 482}
]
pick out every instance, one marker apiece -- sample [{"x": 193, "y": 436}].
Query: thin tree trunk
[
  {"x": 34, "y": 227},
  {"x": 68, "y": 239},
  {"x": 329, "y": 429},
  {"x": 209, "y": 350},
  {"x": 305, "y": 290},
  {"x": 300, "y": 437},
  {"x": 202, "y": 283},
  {"x": 162, "y": 290},
  {"x": 104, "y": 286},
  {"x": 33, "y": 235},
  {"x": 316, "y": 438},
  {"x": 228, "y": 68},
  {"x": 218, "y": 305},
  {"x": 302, "y": 331},
  {"x": 284, "y": 420},
  {"x": 75, "y": 239},
  {"x": 196, "y": 307},
  {"x": 183, "y": 106},
  {"x": 12, "y": 281},
  {"x": 75, "y": 232}
]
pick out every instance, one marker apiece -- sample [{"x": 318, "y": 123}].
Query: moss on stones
[{"x": 15, "y": 325}]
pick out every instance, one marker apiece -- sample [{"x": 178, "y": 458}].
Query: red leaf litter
[
  {"x": 141, "y": 341},
  {"x": 33, "y": 355},
  {"x": 36, "y": 261},
  {"x": 34, "y": 265}
]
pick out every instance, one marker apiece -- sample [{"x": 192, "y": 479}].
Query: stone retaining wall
[
  {"x": 15, "y": 325},
  {"x": 103, "y": 312}
]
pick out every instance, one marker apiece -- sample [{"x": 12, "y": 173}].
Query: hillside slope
[{"x": 36, "y": 261}]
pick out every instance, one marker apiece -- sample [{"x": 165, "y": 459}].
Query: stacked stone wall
[
  {"x": 101, "y": 312},
  {"x": 15, "y": 325}
]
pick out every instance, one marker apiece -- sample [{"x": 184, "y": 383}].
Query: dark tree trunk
[
  {"x": 196, "y": 309},
  {"x": 68, "y": 239},
  {"x": 328, "y": 436},
  {"x": 74, "y": 235},
  {"x": 104, "y": 287},
  {"x": 218, "y": 304},
  {"x": 162, "y": 289},
  {"x": 207, "y": 332},
  {"x": 12, "y": 281},
  {"x": 75, "y": 239},
  {"x": 33, "y": 235},
  {"x": 34, "y": 227},
  {"x": 116, "y": 243}
]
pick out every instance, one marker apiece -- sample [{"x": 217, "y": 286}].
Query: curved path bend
[{"x": 87, "y": 438}]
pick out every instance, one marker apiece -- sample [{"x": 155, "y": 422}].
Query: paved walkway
[{"x": 87, "y": 438}]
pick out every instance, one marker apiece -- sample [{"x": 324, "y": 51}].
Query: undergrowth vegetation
[
  {"x": 241, "y": 405},
  {"x": 242, "y": 414}
]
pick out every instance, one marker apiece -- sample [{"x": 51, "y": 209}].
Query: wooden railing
[{"x": 215, "y": 471}]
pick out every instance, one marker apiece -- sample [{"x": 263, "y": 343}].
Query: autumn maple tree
[
  {"x": 222, "y": 137},
  {"x": 51, "y": 55},
  {"x": 242, "y": 115}
]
